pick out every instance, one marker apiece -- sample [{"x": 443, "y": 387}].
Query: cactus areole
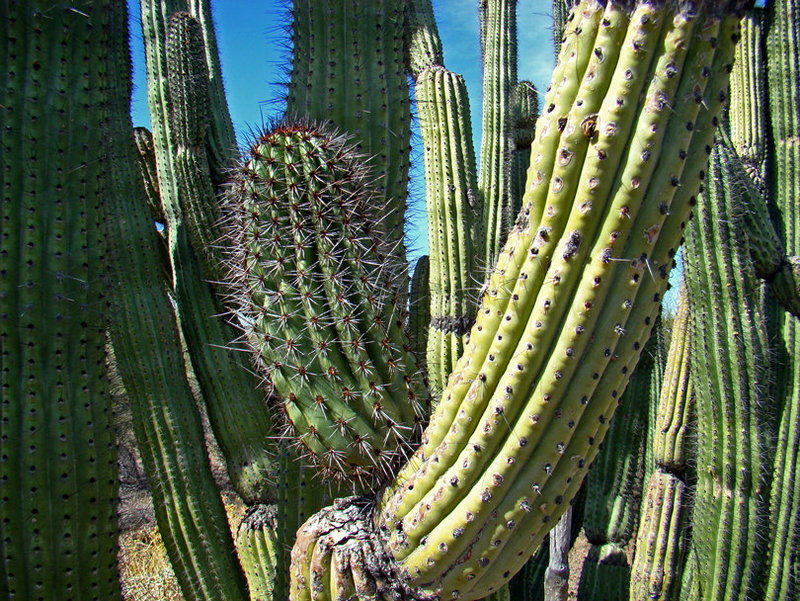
[{"x": 616, "y": 162}]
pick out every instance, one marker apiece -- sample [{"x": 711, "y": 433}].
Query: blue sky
[
  {"x": 253, "y": 50},
  {"x": 253, "y": 43}
]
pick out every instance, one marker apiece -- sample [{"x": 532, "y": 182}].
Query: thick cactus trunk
[
  {"x": 58, "y": 475},
  {"x": 614, "y": 171}
]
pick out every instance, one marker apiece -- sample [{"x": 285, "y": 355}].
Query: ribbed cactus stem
[
  {"x": 58, "y": 475},
  {"x": 237, "y": 412},
  {"x": 498, "y": 23},
  {"x": 614, "y": 171},
  {"x": 348, "y": 72},
  {"x": 423, "y": 46},
  {"x": 453, "y": 217},
  {"x": 661, "y": 540},
  {"x": 614, "y": 488},
  {"x": 259, "y": 548},
  {"x": 146, "y": 159},
  {"x": 730, "y": 380},
  {"x": 419, "y": 304},
  {"x": 748, "y": 106},
  {"x": 524, "y": 112},
  {"x": 319, "y": 295},
  {"x": 783, "y": 88},
  {"x": 561, "y": 10}
]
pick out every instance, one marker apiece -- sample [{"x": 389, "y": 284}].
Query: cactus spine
[
  {"x": 660, "y": 542},
  {"x": 58, "y": 534},
  {"x": 729, "y": 377},
  {"x": 474, "y": 482}
]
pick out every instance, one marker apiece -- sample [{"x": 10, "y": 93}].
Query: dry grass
[{"x": 145, "y": 571}]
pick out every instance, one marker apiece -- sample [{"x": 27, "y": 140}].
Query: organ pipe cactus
[
  {"x": 449, "y": 517},
  {"x": 615, "y": 165},
  {"x": 661, "y": 539},
  {"x": 57, "y": 448}
]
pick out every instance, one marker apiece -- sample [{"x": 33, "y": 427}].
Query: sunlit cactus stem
[{"x": 615, "y": 166}]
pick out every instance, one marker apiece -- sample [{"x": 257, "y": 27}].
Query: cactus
[
  {"x": 615, "y": 165},
  {"x": 320, "y": 301},
  {"x": 661, "y": 538},
  {"x": 58, "y": 532}
]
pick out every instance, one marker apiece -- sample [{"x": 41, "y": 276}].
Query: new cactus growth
[{"x": 320, "y": 301}]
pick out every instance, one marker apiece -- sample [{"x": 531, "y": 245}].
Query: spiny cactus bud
[{"x": 319, "y": 300}]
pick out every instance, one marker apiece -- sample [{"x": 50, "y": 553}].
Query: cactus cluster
[{"x": 396, "y": 445}]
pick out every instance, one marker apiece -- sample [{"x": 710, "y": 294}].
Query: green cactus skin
[
  {"x": 661, "y": 537},
  {"x": 258, "y": 548},
  {"x": 453, "y": 217},
  {"x": 150, "y": 359},
  {"x": 614, "y": 486},
  {"x": 336, "y": 44},
  {"x": 419, "y": 315},
  {"x": 146, "y": 159},
  {"x": 524, "y": 111},
  {"x": 747, "y": 112},
  {"x": 488, "y": 478},
  {"x": 730, "y": 381},
  {"x": 498, "y": 24},
  {"x": 423, "y": 46},
  {"x": 238, "y": 414},
  {"x": 561, "y": 12},
  {"x": 783, "y": 77},
  {"x": 781, "y": 273},
  {"x": 528, "y": 583},
  {"x": 321, "y": 302},
  {"x": 58, "y": 475}
]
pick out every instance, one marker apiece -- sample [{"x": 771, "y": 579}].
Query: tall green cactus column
[
  {"x": 730, "y": 380},
  {"x": 58, "y": 474},
  {"x": 498, "y": 23},
  {"x": 615, "y": 166},
  {"x": 453, "y": 217},
  {"x": 661, "y": 540},
  {"x": 783, "y": 86}
]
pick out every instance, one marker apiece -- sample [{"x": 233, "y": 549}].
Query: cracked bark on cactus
[
  {"x": 662, "y": 539},
  {"x": 319, "y": 295},
  {"x": 509, "y": 444},
  {"x": 236, "y": 409},
  {"x": 729, "y": 376},
  {"x": 58, "y": 475}
]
